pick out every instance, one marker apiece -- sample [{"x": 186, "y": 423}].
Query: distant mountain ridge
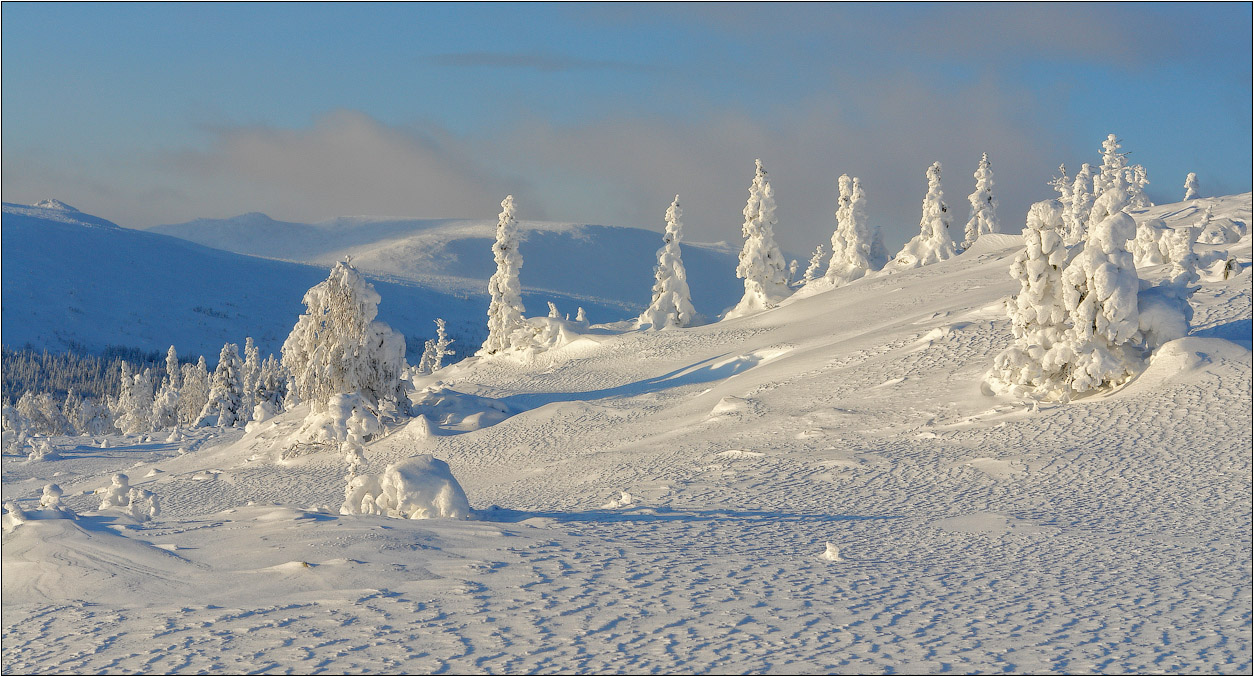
[{"x": 605, "y": 265}]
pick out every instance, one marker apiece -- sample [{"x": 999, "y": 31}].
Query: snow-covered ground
[{"x": 663, "y": 502}]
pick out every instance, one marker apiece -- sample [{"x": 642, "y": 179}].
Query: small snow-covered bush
[
  {"x": 140, "y": 504},
  {"x": 42, "y": 450},
  {"x": 1147, "y": 247},
  {"x": 1190, "y": 187},
  {"x": 1163, "y": 310},
  {"x": 421, "y": 487}
]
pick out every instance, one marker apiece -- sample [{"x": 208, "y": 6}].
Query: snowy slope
[
  {"x": 661, "y": 501},
  {"x": 75, "y": 280},
  {"x": 603, "y": 265}
]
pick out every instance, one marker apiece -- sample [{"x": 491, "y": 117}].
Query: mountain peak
[{"x": 54, "y": 204}]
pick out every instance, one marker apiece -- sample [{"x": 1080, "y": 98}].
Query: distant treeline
[{"x": 89, "y": 375}]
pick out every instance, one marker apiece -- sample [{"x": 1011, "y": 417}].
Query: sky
[{"x": 150, "y": 114}]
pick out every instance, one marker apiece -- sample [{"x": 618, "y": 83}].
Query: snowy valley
[{"x": 823, "y": 482}]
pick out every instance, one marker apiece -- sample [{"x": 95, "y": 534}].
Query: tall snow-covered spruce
[
  {"x": 1077, "y": 215},
  {"x": 762, "y": 265},
  {"x": 983, "y": 205},
  {"x": 672, "y": 301},
  {"x": 852, "y": 241},
  {"x": 505, "y": 312},
  {"x": 1038, "y": 318},
  {"x": 934, "y": 243},
  {"x": 338, "y": 347}
]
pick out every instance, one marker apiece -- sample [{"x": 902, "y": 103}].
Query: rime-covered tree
[
  {"x": 1038, "y": 316},
  {"x": 671, "y": 305},
  {"x": 1163, "y": 310},
  {"x": 983, "y": 205},
  {"x": 434, "y": 350},
  {"x": 934, "y": 243},
  {"x": 505, "y": 312},
  {"x": 165, "y": 405},
  {"x": 762, "y": 265},
  {"x": 224, "y": 406},
  {"x": 271, "y": 389},
  {"x": 1062, "y": 184},
  {"x": 1077, "y": 216},
  {"x": 1190, "y": 187},
  {"x": 194, "y": 392},
  {"x": 1114, "y": 163},
  {"x": 338, "y": 347},
  {"x": 816, "y": 264},
  {"x": 852, "y": 240},
  {"x": 133, "y": 413},
  {"x": 1100, "y": 286},
  {"x": 1136, "y": 180},
  {"x": 250, "y": 373},
  {"x": 173, "y": 374}
]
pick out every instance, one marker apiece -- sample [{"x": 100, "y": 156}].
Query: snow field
[{"x": 1107, "y": 535}]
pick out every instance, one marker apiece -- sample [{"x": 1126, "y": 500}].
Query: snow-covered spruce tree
[
  {"x": 251, "y": 374},
  {"x": 934, "y": 243},
  {"x": 505, "y": 312},
  {"x": 194, "y": 392},
  {"x": 435, "y": 349},
  {"x": 225, "y": 403},
  {"x": 165, "y": 406},
  {"x": 852, "y": 241},
  {"x": 1062, "y": 184},
  {"x": 1103, "y": 347},
  {"x": 672, "y": 301},
  {"x": 1077, "y": 218},
  {"x": 816, "y": 264},
  {"x": 762, "y": 265},
  {"x": 1038, "y": 317},
  {"x": 271, "y": 389},
  {"x": 983, "y": 205},
  {"x": 134, "y": 406},
  {"x": 1113, "y": 165},
  {"x": 337, "y": 347},
  {"x": 1136, "y": 180},
  {"x": 1163, "y": 310},
  {"x": 1190, "y": 187}
]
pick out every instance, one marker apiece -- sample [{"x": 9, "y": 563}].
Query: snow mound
[{"x": 422, "y": 487}]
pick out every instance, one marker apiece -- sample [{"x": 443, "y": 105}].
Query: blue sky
[{"x": 151, "y": 113}]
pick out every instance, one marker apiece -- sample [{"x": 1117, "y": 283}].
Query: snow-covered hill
[
  {"x": 602, "y": 265},
  {"x": 663, "y": 502},
  {"x": 72, "y": 280}
]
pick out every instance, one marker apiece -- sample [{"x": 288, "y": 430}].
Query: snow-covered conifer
[
  {"x": 250, "y": 374},
  {"x": 338, "y": 347},
  {"x": 934, "y": 242},
  {"x": 435, "y": 349},
  {"x": 553, "y": 314},
  {"x": 134, "y": 407},
  {"x": 72, "y": 411},
  {"x": 1038, "y": 316},
  {"x": 852, "y": 241},
  {"x": 1136, "y": 180},
  {"x": 672, "y": 301},
  {"x": 1163, "y": 310},
  {"x": 194, "y": 392},
  {"x": 1112, "y": 169},
  {"x": 271, "y": 389},
  {"x": 983, "y": 205},
  {"x": 762, "y": 265},
  {"x": 1190, "y": 187},
  {"x": 505, "y": 312},
  {"x": 1100, "y": 286},
  {"x": 1077, "y": 217},
  {"x": 816, "y": 264},
  {"x": 224, "y": 406},
  {"x": 165, "y": 407},
  {"x": 581, "y": 317},
  {"x": 1062, "y": 184},
  {"x": 173, "y": 373}
]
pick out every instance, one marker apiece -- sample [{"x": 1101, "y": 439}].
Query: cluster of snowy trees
[
  {"x": 1083, "y": 319},
  {"x": 146, "y": 400}
]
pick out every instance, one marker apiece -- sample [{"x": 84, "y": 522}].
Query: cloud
[{"x": 544, "y": 62}]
